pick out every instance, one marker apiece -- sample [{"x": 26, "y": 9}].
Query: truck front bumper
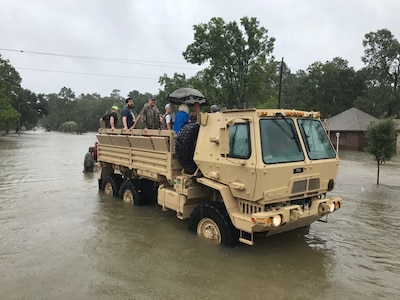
[{"x": 286, "y": 217}]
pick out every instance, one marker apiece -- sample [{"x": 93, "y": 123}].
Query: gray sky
[{"x": 144, "y": 39}]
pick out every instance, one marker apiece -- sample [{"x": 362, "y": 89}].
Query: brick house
[{"x": 351, "y": 125}]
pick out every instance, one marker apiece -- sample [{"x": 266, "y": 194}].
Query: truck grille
[
  {"x": 250, "y": 208},
  {"x": 301, "y": 186},
  {"x": 313, "y": 184}
]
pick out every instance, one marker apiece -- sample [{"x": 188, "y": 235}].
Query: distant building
[{"x": 351, "y": 125}]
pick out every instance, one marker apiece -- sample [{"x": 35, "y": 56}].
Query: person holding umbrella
[
  {"x": 196, "y": 111},
  {"x": 185, "y": 97}
]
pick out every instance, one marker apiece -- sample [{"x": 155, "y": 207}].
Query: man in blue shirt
[{"x": 128, "y": 118}]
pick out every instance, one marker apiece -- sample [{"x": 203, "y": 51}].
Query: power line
[
  {"x": 106, "y": 59},
  {"x": 83, "y": 73}
]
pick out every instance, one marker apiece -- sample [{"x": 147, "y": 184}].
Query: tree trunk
[{"x": 377, "y": 175}]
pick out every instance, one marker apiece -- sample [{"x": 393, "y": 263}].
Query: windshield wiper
[{"x": 294, "y": 135}]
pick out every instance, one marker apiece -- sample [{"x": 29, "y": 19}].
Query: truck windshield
[
  {"x": 315, "y": 139},
  {"x": 279, "y": 141}
]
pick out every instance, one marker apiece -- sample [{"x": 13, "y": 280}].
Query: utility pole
[{"x": 280, "y": 84}]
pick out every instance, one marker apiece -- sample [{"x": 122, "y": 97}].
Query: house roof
[{"x": 352, "y": 119}]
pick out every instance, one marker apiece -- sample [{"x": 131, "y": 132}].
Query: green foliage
[
  {"x": 69, "y": 126},
  {"x": 329, "y": 88},
  {"x": 9, "y": 87},
  {"x": 66, "y": 96},
  {"x": 381, "y": 138},
  {"x": 382, "y": 71},
  {"x": 239, "y": 67},
  {"x": 10, "y": 80},
  {"x": 8, "y": 115}
]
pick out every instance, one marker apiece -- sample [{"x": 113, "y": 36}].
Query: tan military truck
[{"x": 233, "y": 174}]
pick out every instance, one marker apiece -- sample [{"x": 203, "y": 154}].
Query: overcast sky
[{"x": 129, "y": 44}]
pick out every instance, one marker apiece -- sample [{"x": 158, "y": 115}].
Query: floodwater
[{"x": 62, "y": 239}]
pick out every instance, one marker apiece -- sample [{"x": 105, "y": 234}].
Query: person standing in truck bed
[
  {"x": 110, "y": 120},
  {"x": 129, "y": 120},
  {"x": 167, "y": 118},
  {"x": 196, "y": 111},
  {"x": 151, "y": 117}
]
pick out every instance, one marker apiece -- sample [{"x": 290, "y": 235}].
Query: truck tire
[
  {"x": 130, "y": 192},
  {"x": 185, "y": 145},
  {"x": 210, "y": 220},
  {"x": 111, "y": 184}
]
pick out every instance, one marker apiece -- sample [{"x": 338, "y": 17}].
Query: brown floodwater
[{"x": 62, "y": 239}]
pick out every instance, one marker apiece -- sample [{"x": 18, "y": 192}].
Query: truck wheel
[
  {"x": 210, "y": 220},
  {"x": 111, "y": 184},
  {"x": 129, "y": 192},
  {"x": 185, "y": 145}
]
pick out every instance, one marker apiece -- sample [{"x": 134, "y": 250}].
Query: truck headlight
[{"x": 276, "y": 220}]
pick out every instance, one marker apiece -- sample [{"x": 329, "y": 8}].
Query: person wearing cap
[
  {"x": 129, "y": 120},
  {"x": 110, "y": 120},
  {"x": 167, "y": 118},
  {"x": 150, "y": 114}
]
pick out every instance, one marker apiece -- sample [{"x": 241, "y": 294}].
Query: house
[{"x": 350, "y": 126}]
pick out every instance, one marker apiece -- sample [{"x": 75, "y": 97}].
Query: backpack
[{"x": 107, "y": 117}]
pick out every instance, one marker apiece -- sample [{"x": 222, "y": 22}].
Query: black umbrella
[{"x": 188, "y": 96}]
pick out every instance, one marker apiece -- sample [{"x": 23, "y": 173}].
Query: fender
[{"x": 230, "y": 202}]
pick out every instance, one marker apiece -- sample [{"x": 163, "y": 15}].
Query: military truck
[{"x": 233, "y": 174}]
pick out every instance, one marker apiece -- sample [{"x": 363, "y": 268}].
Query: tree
[
  {"x": 10, "y": 82},
  {"x": 329, "y": 87},
  {"x": 115, "y": 94},
  {"x": 69, "y": 126},
  {"x": 381, "y": 141},
  {"x": 172, "y": 84},
  {"x": 66, "y": 96},
  {"x": 240, "y": 65},
  {"x": 8, "y": 115},
  {"x": 382, "y": 60},
  {"x": 180, "y": 81}
]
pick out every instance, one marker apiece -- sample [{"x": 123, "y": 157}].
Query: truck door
[{"x": 240, "y": 158}]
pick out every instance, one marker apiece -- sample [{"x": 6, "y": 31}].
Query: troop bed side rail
[{"x": 151, "y": 153}]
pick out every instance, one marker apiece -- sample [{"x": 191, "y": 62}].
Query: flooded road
[{"x": 62, "y": 239}]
